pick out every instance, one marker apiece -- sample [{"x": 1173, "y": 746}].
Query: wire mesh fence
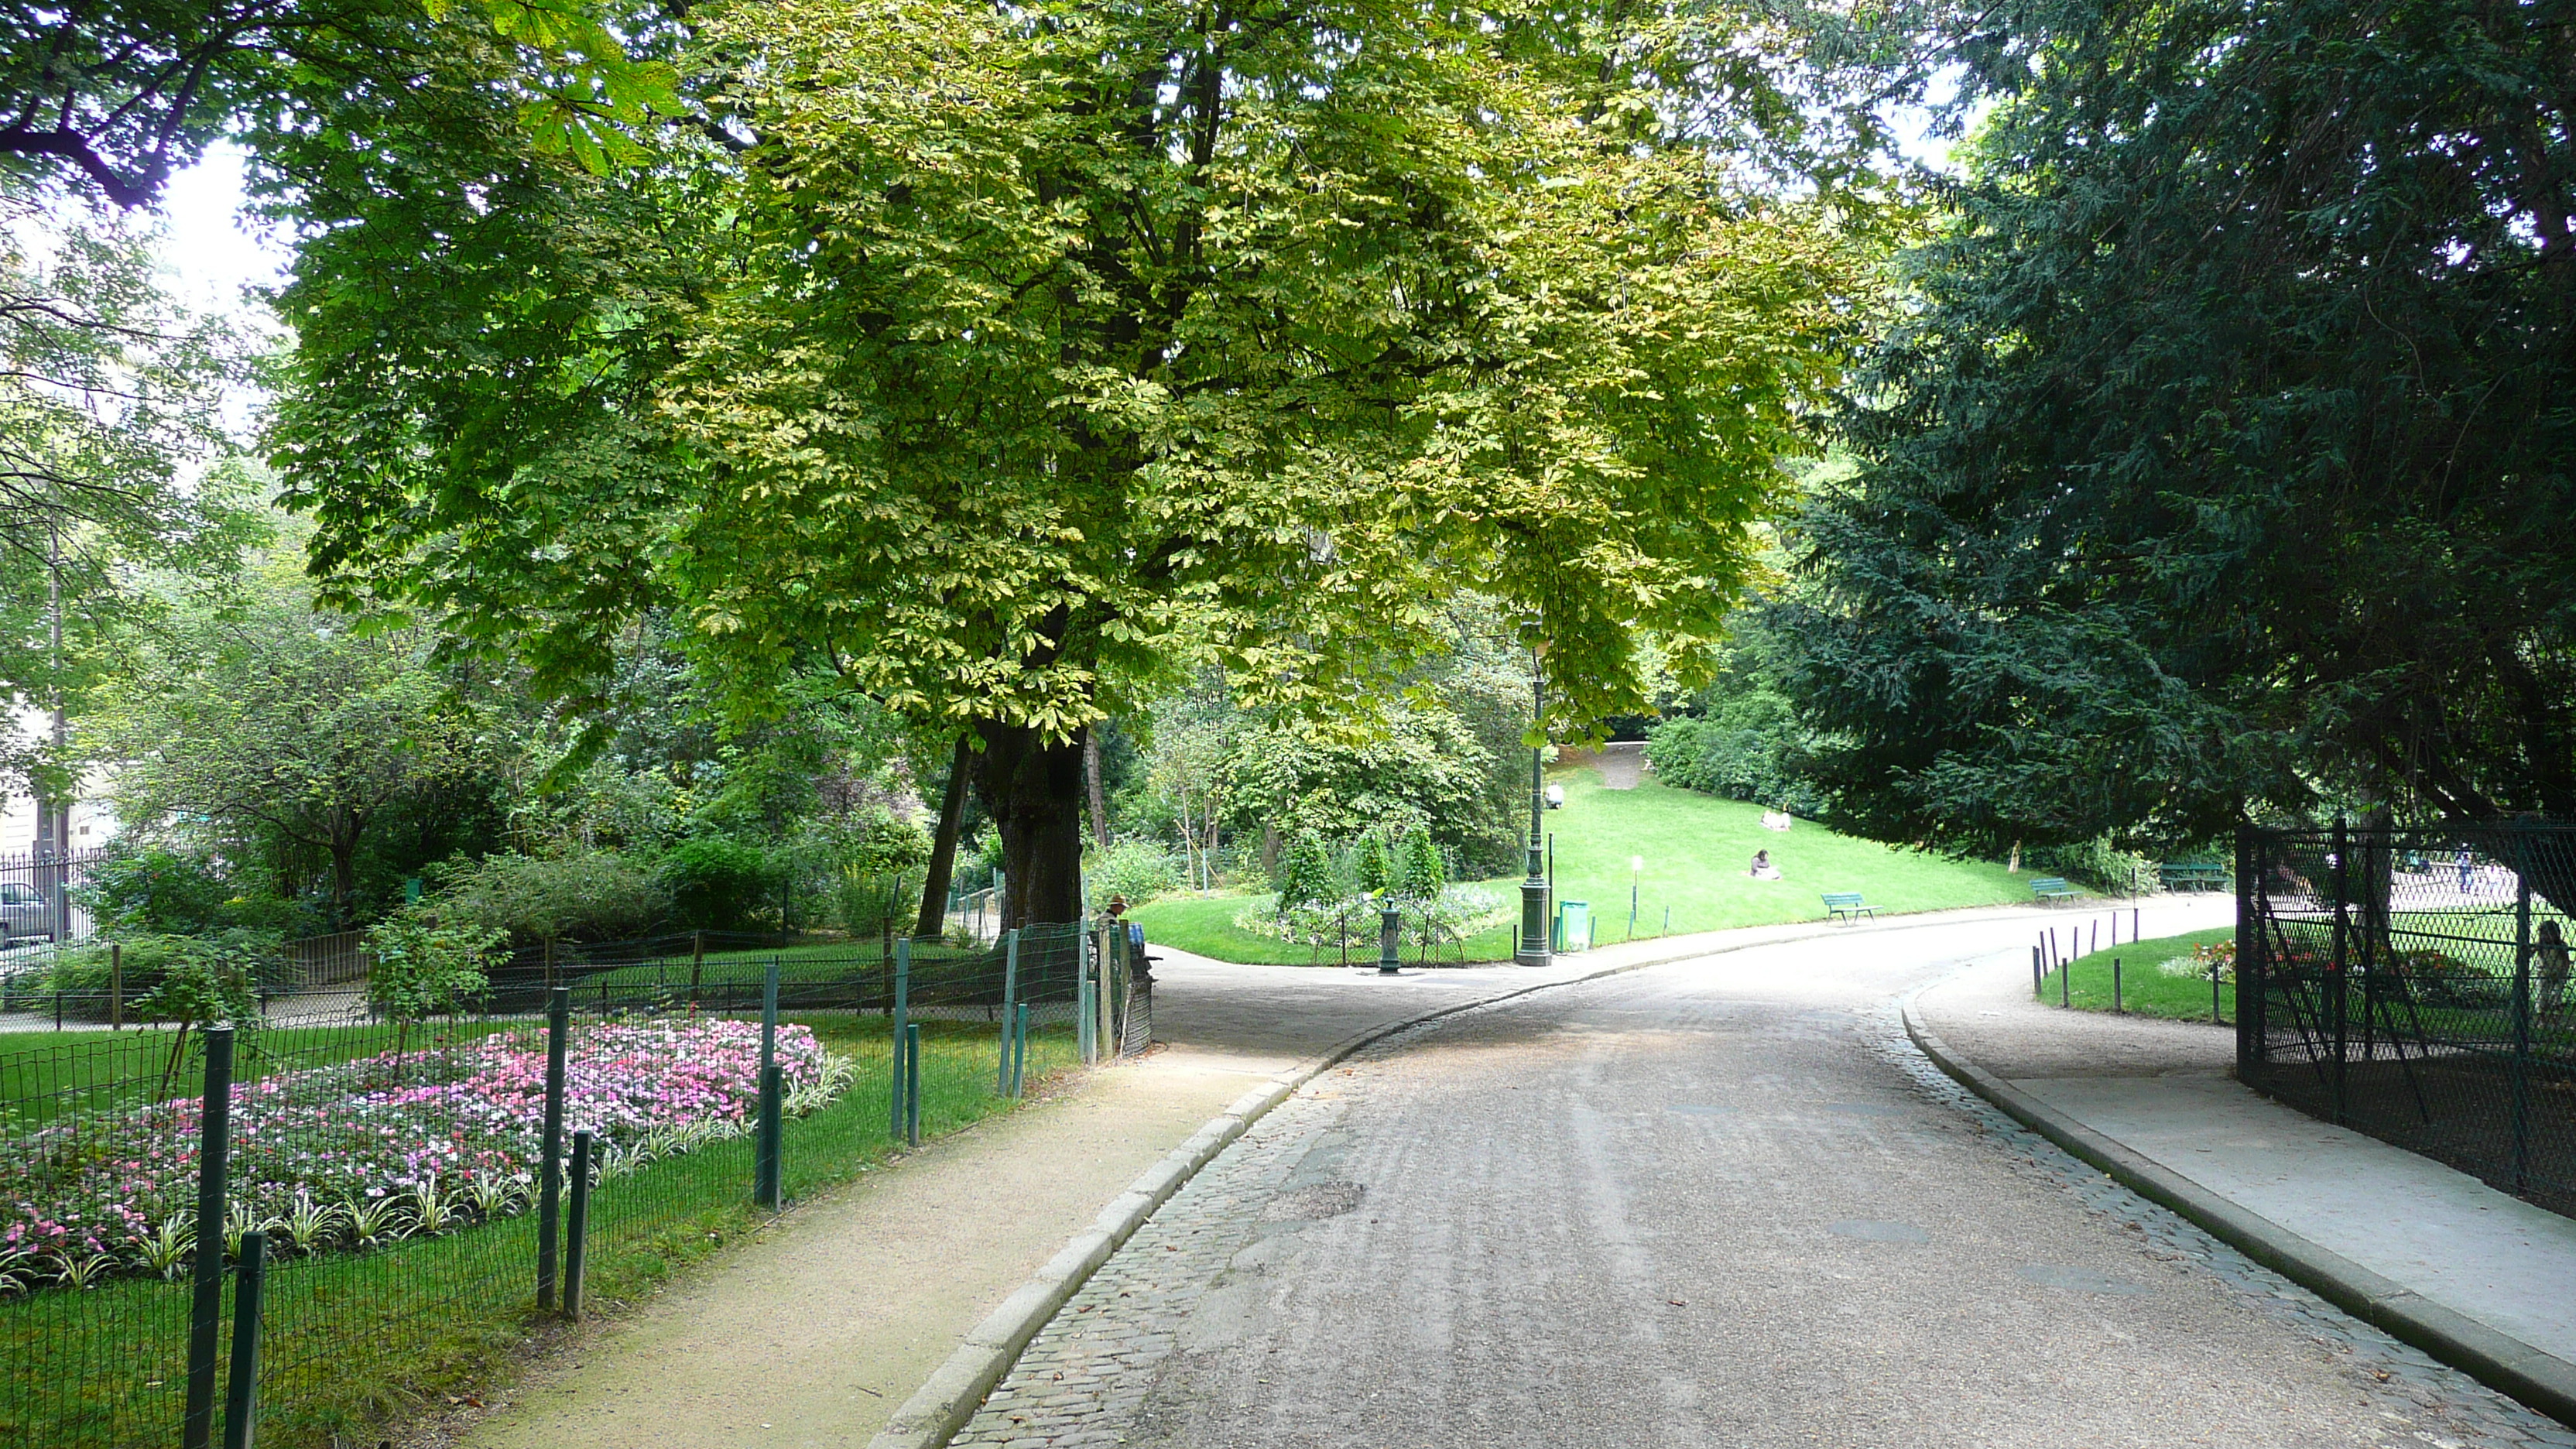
[
  {"x": 397, "y": 1174},
  {"x": 2413, "y": 984}
]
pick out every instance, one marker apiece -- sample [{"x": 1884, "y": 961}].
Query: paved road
[{"x": 1718, "y": 1203}]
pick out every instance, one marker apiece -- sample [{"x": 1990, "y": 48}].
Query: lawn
[
  {"x": 352, "y": 1338},
  {"x": 1694, "y": 849},
  {"x": 2145, "y": 988}
]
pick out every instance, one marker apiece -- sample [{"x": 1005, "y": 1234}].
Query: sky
[{"x": 213, "y": 250}]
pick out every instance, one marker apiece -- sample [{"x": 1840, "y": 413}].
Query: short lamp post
[{"x": 1533, "y": 943}]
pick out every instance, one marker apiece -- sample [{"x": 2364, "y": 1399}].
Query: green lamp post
[{"x": 1533, "y": 943}]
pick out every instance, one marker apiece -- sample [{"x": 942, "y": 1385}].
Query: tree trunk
[
  {"x": 344, "y": 881},
  {"x": 1034, "y": 791},
  {"x": 943, "y": 845},
  {"x": 1091, "y": 781}
]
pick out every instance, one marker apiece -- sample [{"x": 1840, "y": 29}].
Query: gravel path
[{"x": 1716, "y": 1203}]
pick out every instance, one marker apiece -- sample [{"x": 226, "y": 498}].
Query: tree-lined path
[{"x": 1719, "y": 1202}]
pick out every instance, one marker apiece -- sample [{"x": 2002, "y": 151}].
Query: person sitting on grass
[{"x": 1763, "y": 869}]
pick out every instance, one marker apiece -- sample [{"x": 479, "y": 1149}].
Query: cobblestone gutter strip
[
  {"x": 947, "y": 1401},
  {"x": 2499, "y": 1360}
]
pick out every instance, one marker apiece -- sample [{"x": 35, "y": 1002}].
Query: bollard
[
  {"x": 1390, "y": 940},
  {"x": 2065, "y": 987},
  {"x": 550, "y": 1185},
  {"x": 2038, "y": 978},
  {"x": 912, "y": 1085},
  {"x": 206, "y": 1307},
  {"x": 241, "y": 1401},
  {"x": 2116, "y": 1004},
  {"x": 577, "y": 1224},
  {"x": 2213, "y": 995}
]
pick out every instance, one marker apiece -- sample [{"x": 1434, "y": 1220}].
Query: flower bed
[{"x": 354, "y": 1154}]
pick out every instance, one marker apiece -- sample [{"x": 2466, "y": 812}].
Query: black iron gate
[{"x": 2412, "y": 983}]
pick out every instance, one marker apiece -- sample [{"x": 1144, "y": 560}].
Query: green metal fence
[{"x": 397, "y": 1176}]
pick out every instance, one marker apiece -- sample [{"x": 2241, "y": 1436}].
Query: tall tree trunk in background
[
  {"x": 943, "y": 845},
  {"x": 1091, "y": 781},
  {"x": 1034, "y": 791}
]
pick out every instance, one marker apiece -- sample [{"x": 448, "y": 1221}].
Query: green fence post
[
  {"x": 1010, "y": 1008},
  {"x": 241, "y": 1401},
  {"x": 2521, "y": 1103},
  {"x": 764, "y": 1168},
  {"x": 2117, "y": 1004},
  {"x": 206, "y": 1307},
  {"x": 912, "y": 1084},
  {"x": 1020, "y": 1051},
  {"x": 577, "y": 1224},
  {"x": 902, "y": 1010},
  {"x": 550, "y": 1186}
]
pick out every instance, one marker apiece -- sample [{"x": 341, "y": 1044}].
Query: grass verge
[{"x": 2146, "y": 988}]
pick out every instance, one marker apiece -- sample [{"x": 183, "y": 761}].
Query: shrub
[
  {"x": 716, "y": 884},
  {"x": 1306, "y": 874},
  {"x": 1419, "y": 870},
  {"x": 153, "y": 890},
  {"x": 598, "y": 896},
  {"x": 1371, "y": 868},
  {"x": 2096, "y": 863},
  {"x": 425, "y": 966},
  {"x": 1137, "y": 869},
  {"x": 249, "y": 958},
  {"x": 1747, "y": 748}
]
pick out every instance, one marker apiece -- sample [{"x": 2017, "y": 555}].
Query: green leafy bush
[
  {"x": 596, "y": 896},
  {"x": 1372, "y": 868},
  {"x": 1306, "y": 875},
  {"x": 240, "y": 962},
  {"x": 1746, "y": 748},
  {"x": 1419, "y": 870},
  {"x": 717, "y": 884},
  {"x": 153, "y": 890},
  {"x": 425, "y": 966},
  {"x": 2096, "y": 863},
  {"x": 1140, "y": 870}
]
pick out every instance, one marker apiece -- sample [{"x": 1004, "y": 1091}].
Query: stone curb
[
  {"x": 949, "y": 1398},
  {"x": 2541, "y": 1380}
]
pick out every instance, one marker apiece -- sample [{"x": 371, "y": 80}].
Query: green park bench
[
  {"x": 1847, "y": 905},
  {"x": 2052, "y": 888},
  {"x": 2192, "y": 875}
]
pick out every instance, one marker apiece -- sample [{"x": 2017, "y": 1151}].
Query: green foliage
[
  {"x": 1372, "y": 869},
  {"x": 2096, "y": 863},
  {"x": 1419, "y": 870},
  {"x": 598, "y": 896},
  {"x": 257, "y": 725},
  {"x": 150, "y": 889},
  {"x": 716, "y": 884},
  {"x": 1424, "y": 767},
  {"x": 145, "y": 960},
  {"x": 1137, "y": 869},
  {"x": 2222, "y": 455},
  {"x": 1019, "y": 371},
  {"x": 425, "y": 965},
  {"x": 1306, "y": 874}
]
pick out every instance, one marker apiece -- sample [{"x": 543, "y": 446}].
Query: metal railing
[{"x": 2412, "y": 983}]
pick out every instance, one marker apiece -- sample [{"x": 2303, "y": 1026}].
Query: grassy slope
[
  {"x": 2143, "y": 988},
  {"x": 1695, "y": 850}
]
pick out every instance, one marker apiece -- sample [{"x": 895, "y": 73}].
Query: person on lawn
[{"x": 1763, "y": 869}]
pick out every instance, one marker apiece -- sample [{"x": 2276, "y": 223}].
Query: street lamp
[{"x": 1533, "y": 944}]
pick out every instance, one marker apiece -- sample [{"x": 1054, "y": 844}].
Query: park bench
[
  {"x": 2052, "y": 888},
  {"x": 2192, "y": 875},
  {"x": 1847, "y": 905}
]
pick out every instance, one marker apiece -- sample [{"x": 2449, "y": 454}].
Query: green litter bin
[{"x": 1573, "y": 926}]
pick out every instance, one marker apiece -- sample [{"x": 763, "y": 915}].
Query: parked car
[{"x": 24, "y": 911}]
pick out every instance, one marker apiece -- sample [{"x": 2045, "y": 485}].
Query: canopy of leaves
[{"x": 2223, "y": 460}]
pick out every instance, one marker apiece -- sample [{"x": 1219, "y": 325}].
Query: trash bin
[{"x": 1573, "y": 925}]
